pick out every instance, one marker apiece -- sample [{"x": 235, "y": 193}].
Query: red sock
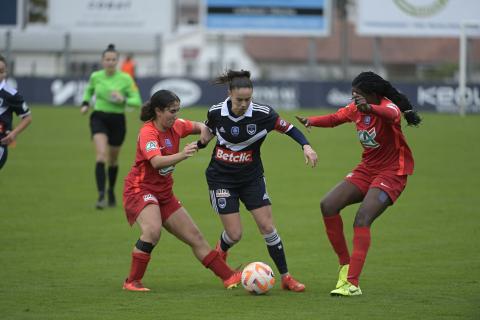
[
  {"x": 334, "y": 228},
  {"x": 361, "y": 242},
  {"x": 139, "y": 265},
  {"x": 214, "y": 262}
]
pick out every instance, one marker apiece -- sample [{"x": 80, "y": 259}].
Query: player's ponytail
[
  {"x": 161, "y": 99},
  {"x": 370, "y": 82},
  {"x": 147, "y": 112},
  {"x": 235, "y": 79},
  {"x": 402, "y": 102}
]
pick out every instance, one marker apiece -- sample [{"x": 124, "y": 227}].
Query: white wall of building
[
  {"x": 158, "y": 46},
  {"x": 42, "y": 53}
]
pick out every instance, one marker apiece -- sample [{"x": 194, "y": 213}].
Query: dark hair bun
[{"x": 111, "y": 47}]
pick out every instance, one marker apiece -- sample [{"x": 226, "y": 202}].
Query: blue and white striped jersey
[{"x": 10, "y": 101}]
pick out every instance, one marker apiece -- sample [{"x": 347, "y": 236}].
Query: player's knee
[
  {"x": 113, "y": 159},
  {"x": 328, "y": 207},
  {"x": 101, "y": 157},
  {"x": 266, "y": 229},
  {"x": 362, "y": 219},
  {"x": 152, "y": 233},
  {"x": 235, "y": 235}
]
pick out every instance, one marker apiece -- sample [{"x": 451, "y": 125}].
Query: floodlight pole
[
  {"x": 377, "y": 60},
  {"x": 67, "y": 51},
  {"x": 462, "y": 65},
  {"x": 462, "y": 72},
  {"x": 220, "y": 52},
  {"x": 158, "y": 54},
  {"x": 8, "y": 46},
  {"x": 312, "y": 58}
]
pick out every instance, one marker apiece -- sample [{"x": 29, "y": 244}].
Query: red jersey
[
  {"x": 379, "y": 132},
  {"x": 152, "y": 142}
]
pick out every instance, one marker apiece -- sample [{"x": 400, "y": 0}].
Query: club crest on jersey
[
  {"x": 222, "y": 202},
  {"x": 151, "y": 145},
  {"x": 251, "y": 129},
  {"x": 168, "y": 143},
  {"x": 366, "y": 120},
  {"x": 235, "y": 131},
  {"x": 367, "y": 138}
]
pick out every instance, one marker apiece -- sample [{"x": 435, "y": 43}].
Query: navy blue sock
[
  {"x": 225, "y": 241},
  {"x": 275, "y": 249}
]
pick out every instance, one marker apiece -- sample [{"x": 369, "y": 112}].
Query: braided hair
[
  {"x": 370, "y": 82},
  {"x": 235, "y": 79}
]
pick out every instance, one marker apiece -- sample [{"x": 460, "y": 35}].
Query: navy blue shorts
[
  {"x": 3, "y": 155},
  {"x": 111, "y": 124},
  {"x": 225, "y": 198}
]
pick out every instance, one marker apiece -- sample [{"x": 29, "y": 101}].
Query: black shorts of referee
[{"x": 111, "y": 124}]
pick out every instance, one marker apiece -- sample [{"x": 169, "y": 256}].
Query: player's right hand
[
  {"x": 83, "y": 109},
  {"x": 303, "y": 121},
  {"x": 190, "y": 149}
]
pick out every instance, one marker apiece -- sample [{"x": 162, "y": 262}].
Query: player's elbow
[
  {"x": 27, "y": 120},
  {"x": 157, "y": 162}
]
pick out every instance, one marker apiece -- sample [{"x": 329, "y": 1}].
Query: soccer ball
[{"x": 258, "y": 278}]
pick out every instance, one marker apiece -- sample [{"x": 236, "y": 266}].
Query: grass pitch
[{"x": 61, "y": 259}]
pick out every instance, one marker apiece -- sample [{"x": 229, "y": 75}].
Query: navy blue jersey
[
  {"x": 10, "y": 101},
  {"x": 236, "y": 156}
]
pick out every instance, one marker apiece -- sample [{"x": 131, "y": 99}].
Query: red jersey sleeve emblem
[
  {"x": 282, "y": 125},
  {"x": 148, "y": 143}
]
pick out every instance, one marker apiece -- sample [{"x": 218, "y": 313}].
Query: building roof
[{"x": 393, "y": 50}]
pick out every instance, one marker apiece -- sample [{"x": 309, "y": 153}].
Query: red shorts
[
  {"x": 388, "y": 181},
  {"x": 135, "y": 202}
]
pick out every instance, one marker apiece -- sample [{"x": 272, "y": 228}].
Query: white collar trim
[{"x": 225, "y": 111}]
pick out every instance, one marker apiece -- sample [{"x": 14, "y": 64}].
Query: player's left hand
[
  {"x": 310, "y": 155},
  {"x": 8, "y": 139}
]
